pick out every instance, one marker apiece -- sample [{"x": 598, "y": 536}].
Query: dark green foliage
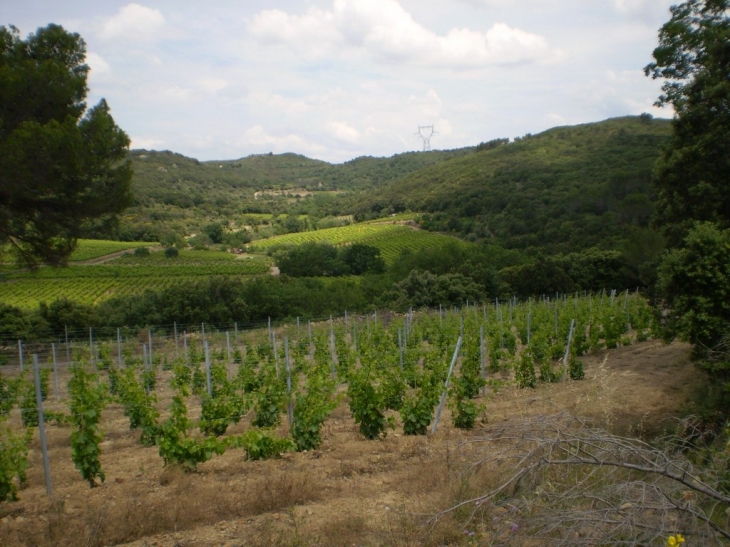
[
  {"x": 61, "y": 169},
  {"x": 269, "y": 399},
  {"x": 88, "y": 399},
  {"x": 367, "y": 406},
  {"x": 693, "y": 59},
  {"x": 13, "y": 462},
  {"x": 8, "y": 395},
  {"x": 591, "y": 269},
  {"x": 141, "y": 251},
  {"x": 525, "y": 370},
  {"x": 139, "y": 406},
  {"x": 464, "y": 413},
  {"x": 422, "y": 289},
  {"x": 564, "y": 190},
  {"x": 27, "y": 401},
  {"x": 418, "y": 409},
  {"x": 260, "y": 445},
  {"x": 694, "y": 282},
  {"x": 224, "y": 408},
  {"x": 172, "y": 252},
  {"x": 361, "y": 259},
  {"x": 311, "y": 409},
  {"x": 64, "y": 313},
  {"x": 311, "y": 260},
  {"x": 176, "y": 446},
  {"x": 575, "y": 369}
]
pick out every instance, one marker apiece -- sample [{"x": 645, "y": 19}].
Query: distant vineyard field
[
  {"x": 88, "y": 249},
  {"x": 390, "y": 238},
  {"x": 92, "y": 284}
]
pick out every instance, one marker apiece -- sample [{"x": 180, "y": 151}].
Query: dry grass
[{"x": 349, "y": 492}]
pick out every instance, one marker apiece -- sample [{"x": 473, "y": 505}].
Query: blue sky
[{"x": 337, "y": 79}]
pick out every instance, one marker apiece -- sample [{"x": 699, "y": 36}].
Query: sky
[{"x": 339, "y": 79}]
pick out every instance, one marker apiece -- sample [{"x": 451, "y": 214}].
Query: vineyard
[
  {"x": 123, "y": 276},
  {"x": 88, "y": 249},
  {"x": 390, "y": 238},
  {"x": 191, "y": 400}
]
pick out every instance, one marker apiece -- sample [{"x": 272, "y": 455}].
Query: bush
[
  {"x": 172, "y": 252},
  {"x": 141, "y": 251}
]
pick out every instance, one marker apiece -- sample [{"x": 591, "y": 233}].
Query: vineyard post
[
  {"x": 354, "y": 336},
  {"x": 42, "y": 424},
  {"x": 555, "y": 307},
  {"x": 613, "y": 297},
  {"x": 400, "y": 349},
  {"x": 311, "y": 342},
  {"x": 202, "y": 330},
  {"x": 55, "y": 369},
  {"x": 91, "y": 345},
  {"x": 146, "y": 367},
  {"x": 235, "y": 334},
  {"x": 529, "y": 325},
  {"x": 603, "y": 293},
  {"x": 290, "y": 407},
  {"x": 441, "y": 317},
  {"x": 68, "y": 349},
  {"x": 174, "y": 326},
  {"x": 207, "y": 369},
  {"x": 482, "y": 359},
  {"x": 446, "y": 387},
  {"x": 228, "y": 347},
  {"x": 149, "y": 335},
  {"x": 566, "y": 357},
  {"x": 484, "y": 313},
  {"x": 332, "y": 350},
  {"x": 20, "y": 353},
  {"x": 276, "y": 353},
  {"x": 185, "y": 346},
  {"x": 119, "y": 347}
]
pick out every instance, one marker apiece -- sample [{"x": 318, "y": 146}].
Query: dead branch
[{"x": 565, "y": 482}]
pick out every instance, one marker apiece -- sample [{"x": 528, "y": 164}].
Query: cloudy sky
[{"x": 337, "y": 79}]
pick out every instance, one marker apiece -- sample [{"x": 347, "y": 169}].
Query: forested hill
[
  {"x": 563, "y": 190},
  {"x": 161, "y": 175}
]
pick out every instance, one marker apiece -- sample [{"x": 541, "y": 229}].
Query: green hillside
[
  {"x": 563, "y": 190},
  {"x": 390, "y": 237},
  {"x": 179, "y": 195}
]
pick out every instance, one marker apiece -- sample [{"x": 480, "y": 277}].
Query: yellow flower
[{"x": 675, "y": 541}]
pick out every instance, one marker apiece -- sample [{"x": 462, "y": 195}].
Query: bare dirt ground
[{"x": 349, "y": 492}]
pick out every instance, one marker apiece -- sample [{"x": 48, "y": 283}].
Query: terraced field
[{"x": 391, "y": 238}]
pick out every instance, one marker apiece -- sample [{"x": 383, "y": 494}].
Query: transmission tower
[{"x": 426, "y": 132}]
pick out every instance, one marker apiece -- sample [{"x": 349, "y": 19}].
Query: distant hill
[
  {"x": 180, "y": 194},
  {"x": 562, "y": 190}
]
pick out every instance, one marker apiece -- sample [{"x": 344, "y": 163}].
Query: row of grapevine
[{"x": 399, "y": 371}]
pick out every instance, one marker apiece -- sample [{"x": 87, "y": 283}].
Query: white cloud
[
  {"x": 384, "y": 30},
  {"x": 99, "y": 67},
  {"x": 257, "y": 137},
  {"x": 133, "y": 22},
  {"x": 344, "y": 132},
  {"x": 147, "y": 143}
]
